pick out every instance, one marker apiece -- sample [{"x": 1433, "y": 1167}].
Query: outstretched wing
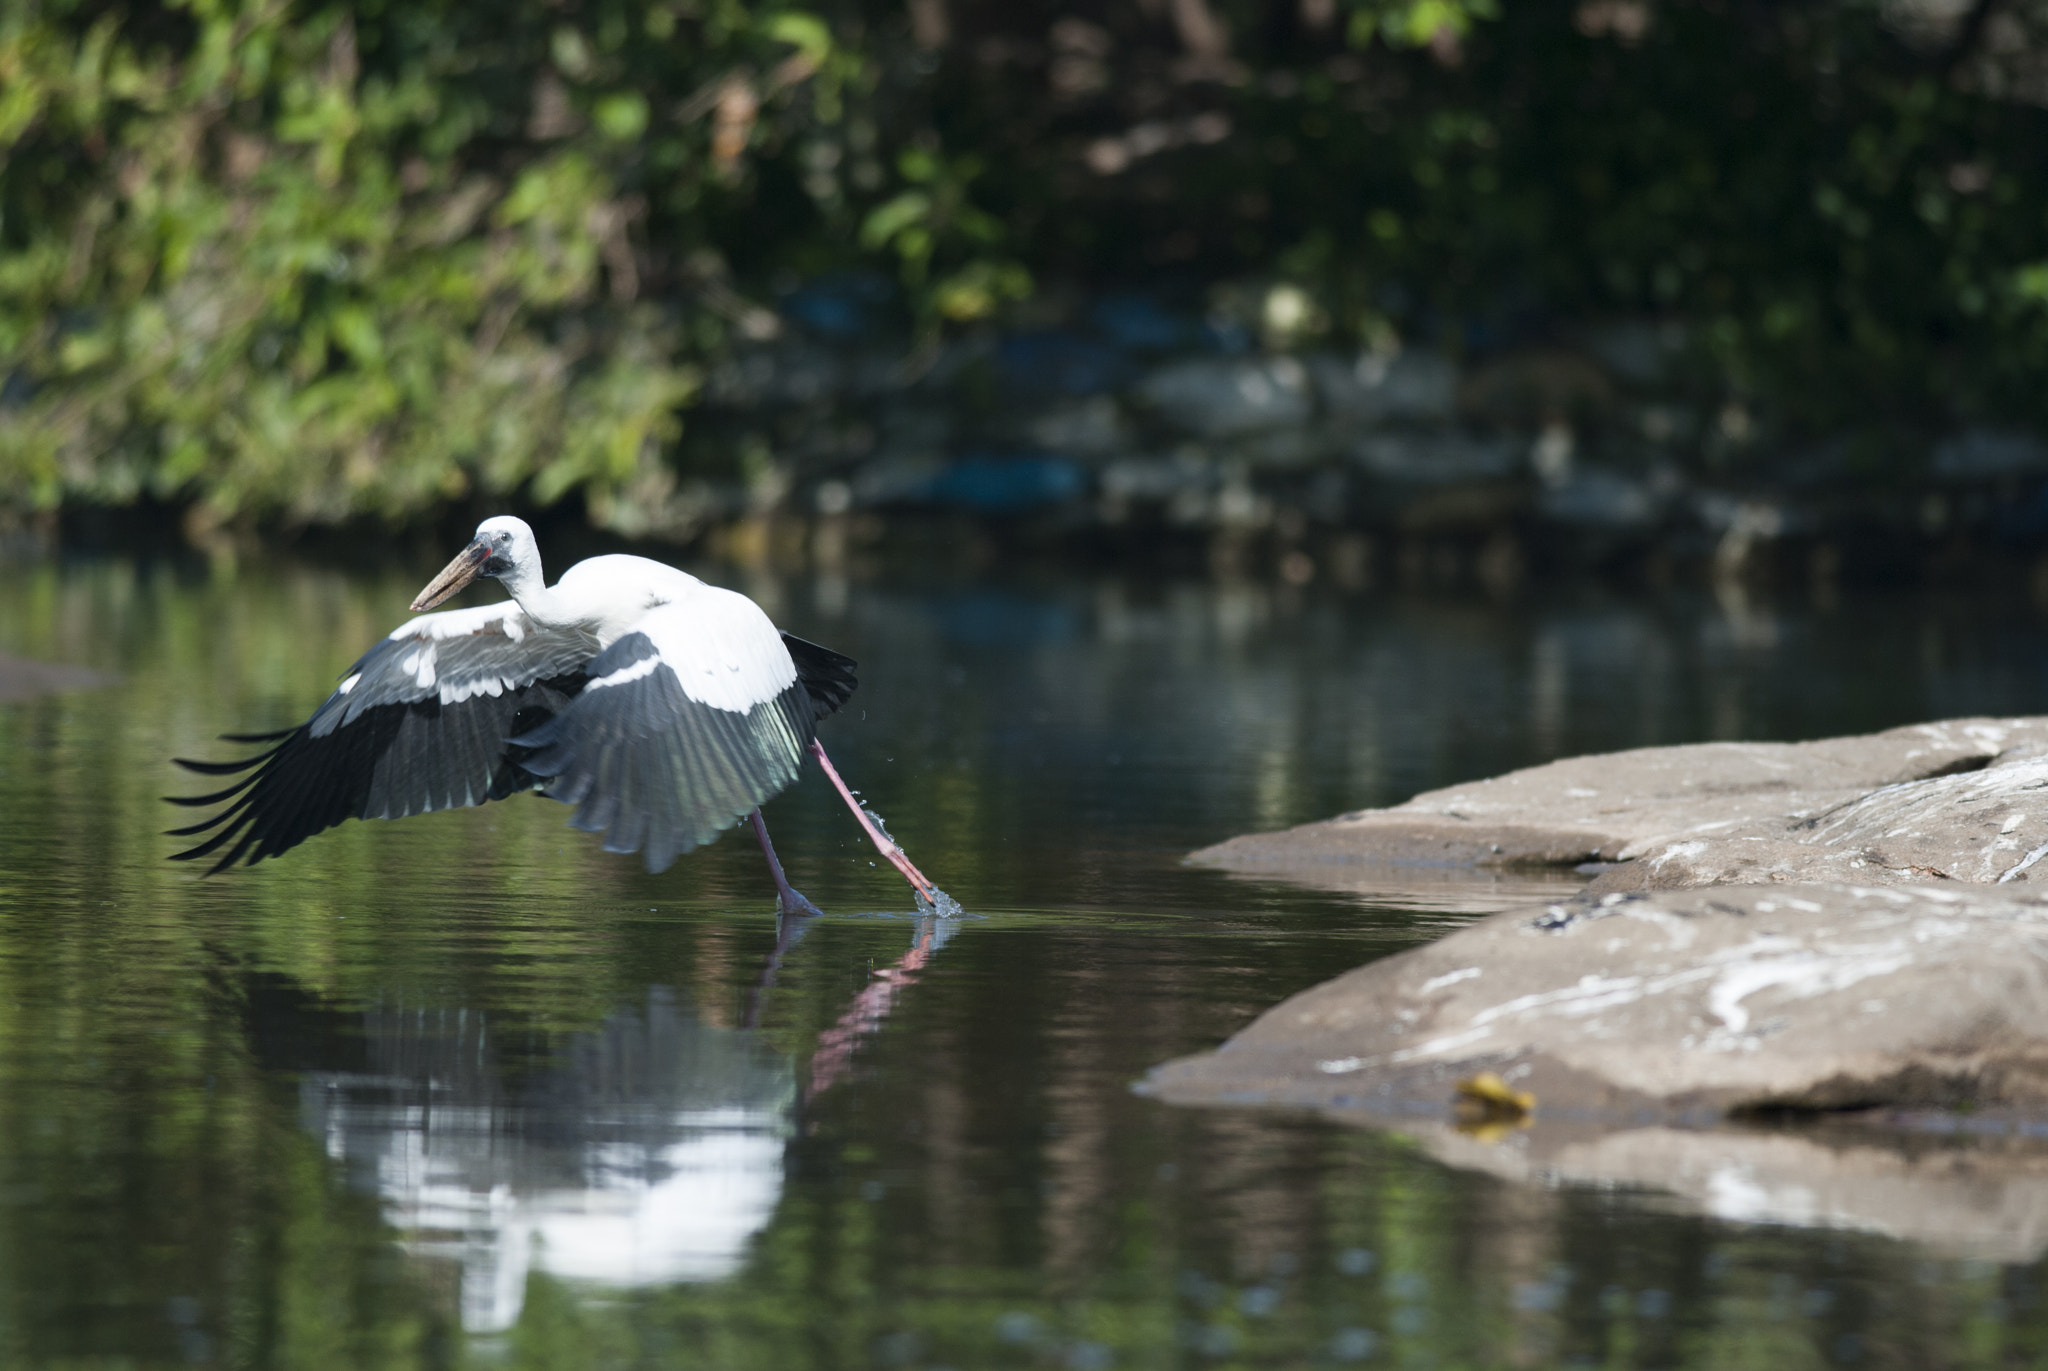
[
  {"x": 688, "y": 722},
  {"x": 419, "y": 723}
]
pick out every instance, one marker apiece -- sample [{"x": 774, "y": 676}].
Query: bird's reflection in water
[
  {"x": 833, "y": 1056},
  {"x": 645, "y": 1151}
]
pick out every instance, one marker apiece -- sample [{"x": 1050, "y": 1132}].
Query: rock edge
[{"x": 1963, "y": 800}]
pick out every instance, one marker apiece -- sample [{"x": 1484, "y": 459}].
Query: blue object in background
[
  {"x": 1139, "y": 322},
  {"x": 993, "y": 617},
  {"x": 1227, "y": 337},
  {"x": 2024, "y": 520},
  {"x": 1005, "y": 485},
  {"x": 1062, "y": 363},
  {"x": 841, "y": 305}
]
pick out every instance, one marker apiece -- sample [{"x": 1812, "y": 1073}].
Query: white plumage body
[{"x": 723, "y": 650}]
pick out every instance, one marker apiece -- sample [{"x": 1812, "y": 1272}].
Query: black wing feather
[
  {"x": 828, "y": 676},
  {"x": 390, "y": 761},
  {"x": 220, "y": 768}
]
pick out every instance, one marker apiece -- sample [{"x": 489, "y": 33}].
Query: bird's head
[{"x": 501, "y": 547}]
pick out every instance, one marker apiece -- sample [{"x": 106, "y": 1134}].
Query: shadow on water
[{"x": 464, "y": 1085}]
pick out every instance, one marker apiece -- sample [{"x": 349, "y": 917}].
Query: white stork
[{"x": 666, "y": 710}]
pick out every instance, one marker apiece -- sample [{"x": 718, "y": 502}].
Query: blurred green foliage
[
  {"x": 329, "y": 260},
  {"x": 313, "y": 260}
]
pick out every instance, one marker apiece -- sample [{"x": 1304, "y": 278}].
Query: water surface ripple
[{"x": 465, "y": 1088}]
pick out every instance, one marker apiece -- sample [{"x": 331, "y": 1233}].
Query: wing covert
[
  {"x": 686, "y": 725},
  {"x": 454, "y": 656}
]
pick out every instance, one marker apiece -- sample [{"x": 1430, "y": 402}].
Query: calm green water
[{"x": 465, "y": 1090}]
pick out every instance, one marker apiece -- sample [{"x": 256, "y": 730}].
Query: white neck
[{"x": 529, "y": 587}]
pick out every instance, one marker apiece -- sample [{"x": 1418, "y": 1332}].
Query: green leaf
[
  {"x": 622, "y": 116},
  {"x": 916, "y": 164},
  {"x": 355, "y": 330},
  {"x": 888, "y": 220},
  {"x": 2030, "y": 283},
  {"x": 806, "y": 32}
]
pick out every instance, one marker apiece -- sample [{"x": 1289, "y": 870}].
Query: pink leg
[
  {"x": 925, "y": 889},
  {"x": 786, "y": 897}
]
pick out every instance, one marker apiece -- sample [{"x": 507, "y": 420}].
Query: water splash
[{"x": 940, "y": 906}]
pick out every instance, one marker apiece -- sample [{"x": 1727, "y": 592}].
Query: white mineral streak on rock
[
  {"x": 1678, "y": 852},
  {"x": 1591, "y": 994},
  {"x": 2018, "y": 868},
  {"x": 1676, "y": 929},
  {"x": 1635, "y": 850},
  {"x": 1441, "y": 1047},
  {"x": 1801, "y": 975}
]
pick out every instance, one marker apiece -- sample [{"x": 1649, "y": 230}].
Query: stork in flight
[{"x": 666, "y": 710}]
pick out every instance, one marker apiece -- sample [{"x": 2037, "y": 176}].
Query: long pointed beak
[{"x": 467, "y": 566}]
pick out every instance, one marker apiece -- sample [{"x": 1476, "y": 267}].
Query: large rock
[
  {"x": 1964, "y": 800},
  {"x": 1681, "y": 1004},
  {"x": 1642, "y": 1024}
]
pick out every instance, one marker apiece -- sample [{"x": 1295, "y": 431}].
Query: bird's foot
[{"x": 791, "y": 902}]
